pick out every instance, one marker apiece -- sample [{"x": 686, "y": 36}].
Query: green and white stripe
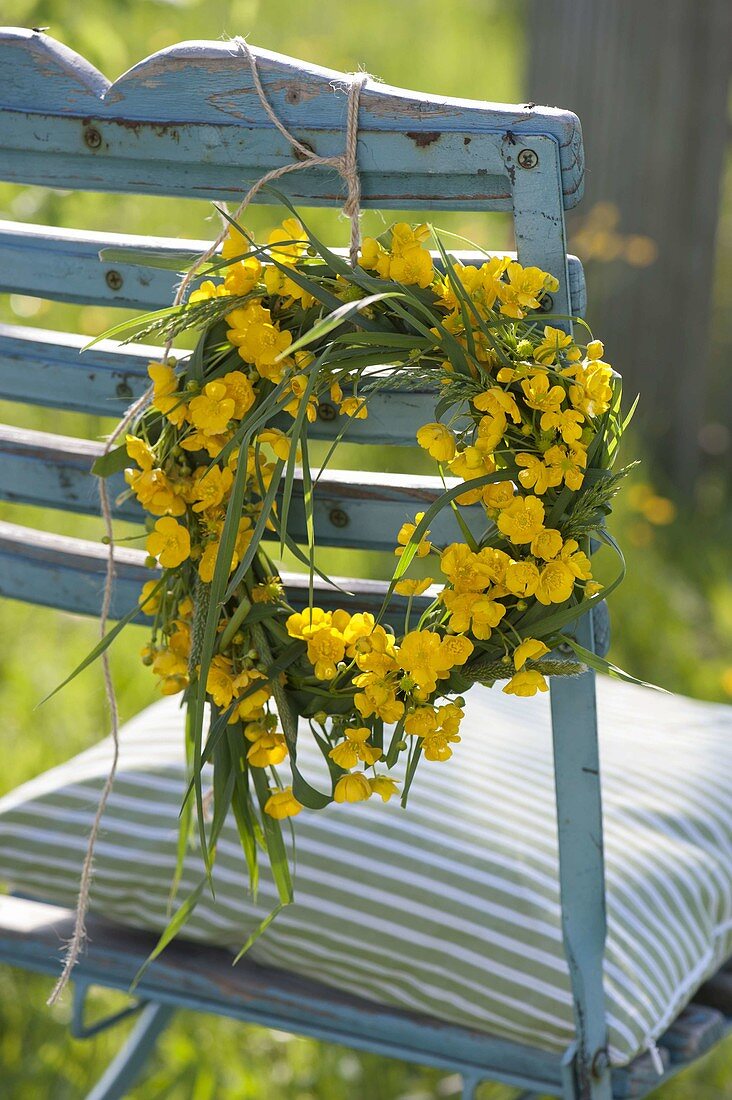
[{"x": 451, "y": 908}]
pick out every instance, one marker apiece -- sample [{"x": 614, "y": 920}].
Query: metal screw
[
  {"x": 338, "y": 517},
  {"x": 123, "y": 390},
  {"x": 114, "y": 280},
  {"x": 565, "y": 647},
  {"x": 326, "y": 411},
  {"x": 527, "y": 158},
  {"x": 547, "y": 303},
  {"x": 92, "y": 137},
  {"x": 298, "y": 153},
  {"x": 600, "y": 1063}
]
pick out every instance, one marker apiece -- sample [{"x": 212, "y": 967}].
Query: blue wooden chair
[{"x": 186, "y": 122}]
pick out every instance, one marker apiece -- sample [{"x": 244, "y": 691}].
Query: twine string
[{"x": 346, "y": 164}]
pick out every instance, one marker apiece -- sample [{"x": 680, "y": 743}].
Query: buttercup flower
[{"x": 170, "y": 543}]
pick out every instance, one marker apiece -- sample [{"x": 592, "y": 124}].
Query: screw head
[
  {"x": 326, "y": 411},
  {"x": 600, "y": 1063},
  {"x": 124, "y": 391},
  {"x": 547, "y": 303},
  {"x": 527, "y": 158},
  {"x": 114, "y": 280},
  {"x": 92, "y": 137},
  {"x": 338, "y": 517}
]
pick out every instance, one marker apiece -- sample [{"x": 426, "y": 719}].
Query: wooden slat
[
  {"x": 203, "y": 978},
  {"x": 64, "y": 265},
  {"x": 43, "y": 367},
  {"x": 187, "y": 121},
  {"x": 356, "y": 509},
  {"x": 68, "y": 574}
]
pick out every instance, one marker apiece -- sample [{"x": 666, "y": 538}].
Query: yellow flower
[
  {"x": 206, "y": 291},
  {"x": 149, "y": 603},
  {"x": 220, "y": 681},
  {"x": 498, "y": 402},
  {"x": 554, "y": 341},
  {"x": 281, "y": 804},
  {"x": 242, "y": 277},
  {"x": 469, "y": 610},
  {"x": 378, "y": 697},
  {"x": 355, "y": 747},
  {"x": 535, "y": 474},
  {"x": 595, "y": 349},
  {"x": 374, "y": 652},
  {"x": 301, "y": 624},
  {"x": 412, "y": 265},
  {"x": 499, "y": 495},
  {"x": 457, "y": 648},
  {"x": 210, "y": 486},
  {"x": 374, "y": 257},
  {"x": 326, "y": 647},
  {"x": 409, "y": 587},
  {"x": 568, "y": 422},
  {"x": 170, "y": 543},
  {"x": 576, "y": 559},
  {"x": 423, "y": 656},
  {"x": 568, "y": 465},
  {"x": 384, "y": 786},
  {"x": 235, "y": 244},
  {"x": 437, "y": 746},
  {"x": 547, "y": 544},
  {"x": 292, "y": 232},
  {"x": 438, "y": 441},
  {"x": 592, "y": 588},
  {"x": 212, "y": 410},
  {"x": 140, "y": 452},
  {"x": 529, "y": 650},
  {"x": 406, "y": 531},
  {"x": 421, "y": 722},
  {"x": 472, "y": 462},
  {"x": 352, "y": 788},
  {"x": 522, "y": 519},
  {"x": 468, "y": 571},
  {"x": 523, "y": 289},
  {"x": 526, "y": 683},
  {"x": 354, "y": 407},
  {"x": 591, "y": 392},
  {"x": 277, "y": 440},
  {"x": 556, "y": 583},
  {"x": 539, "y": 395},
  {"x": 522, "y": 578},
  {"x": 297, "y": 386},
  {"x": 165, "y": 399},
  {"x": 239, "y": 389},
  {"x": 491, "y": 430},
  {"x": 267, "y": 750}
]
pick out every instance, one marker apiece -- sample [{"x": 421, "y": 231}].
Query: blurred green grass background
[{"x": 672, "y": 618}]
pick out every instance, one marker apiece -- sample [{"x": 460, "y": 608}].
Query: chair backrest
[{"x": 187, "y": 122}]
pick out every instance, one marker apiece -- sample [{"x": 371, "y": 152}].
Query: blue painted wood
[
  {"x": 190, "y": 976},
  {"x": 351, "y": 508},
  {"x": 581, "y": 866},
  {"x": 42, "y": 367},
  {"x": 64, "y": 265},
  {"x": 187, "y": 121},
  {"x": 125, "y": 1068},
  {"x": 68, "y": 573}
]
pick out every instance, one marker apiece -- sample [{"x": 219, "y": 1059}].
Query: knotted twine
[{"x": 346, "y": 163}]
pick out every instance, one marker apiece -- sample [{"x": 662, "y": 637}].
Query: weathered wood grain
[
  {"x": 351, "y": 508},
  {"x": 64, "y": 265},
  {"x": 187, "y": 121},
  {"x": 68, "y": 574}
]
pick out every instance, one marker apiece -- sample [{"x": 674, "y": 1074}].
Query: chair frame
[{"x": 186, "y": 122}]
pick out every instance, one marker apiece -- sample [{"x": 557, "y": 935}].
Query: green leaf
[
  {"x": 276, "y": 851},
  {"x": 111, "y": 462},
  {"x": 599, "y": 664},
  {"x": 171, "y": 931},
  {"x": 334, "y": 320}
]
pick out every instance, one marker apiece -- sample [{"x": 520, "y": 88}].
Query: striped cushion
[{"x": 451, "y": 908}]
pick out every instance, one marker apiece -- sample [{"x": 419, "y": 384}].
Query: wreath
[{"x": 526, "y": 429}]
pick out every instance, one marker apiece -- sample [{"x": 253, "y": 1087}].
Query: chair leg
[{"x": 124, "y": 1070}]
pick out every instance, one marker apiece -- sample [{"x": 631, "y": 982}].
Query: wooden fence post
[{"x": 649, "y": 81}]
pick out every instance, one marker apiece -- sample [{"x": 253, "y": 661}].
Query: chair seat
[{"x": 452, "y": 908}]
